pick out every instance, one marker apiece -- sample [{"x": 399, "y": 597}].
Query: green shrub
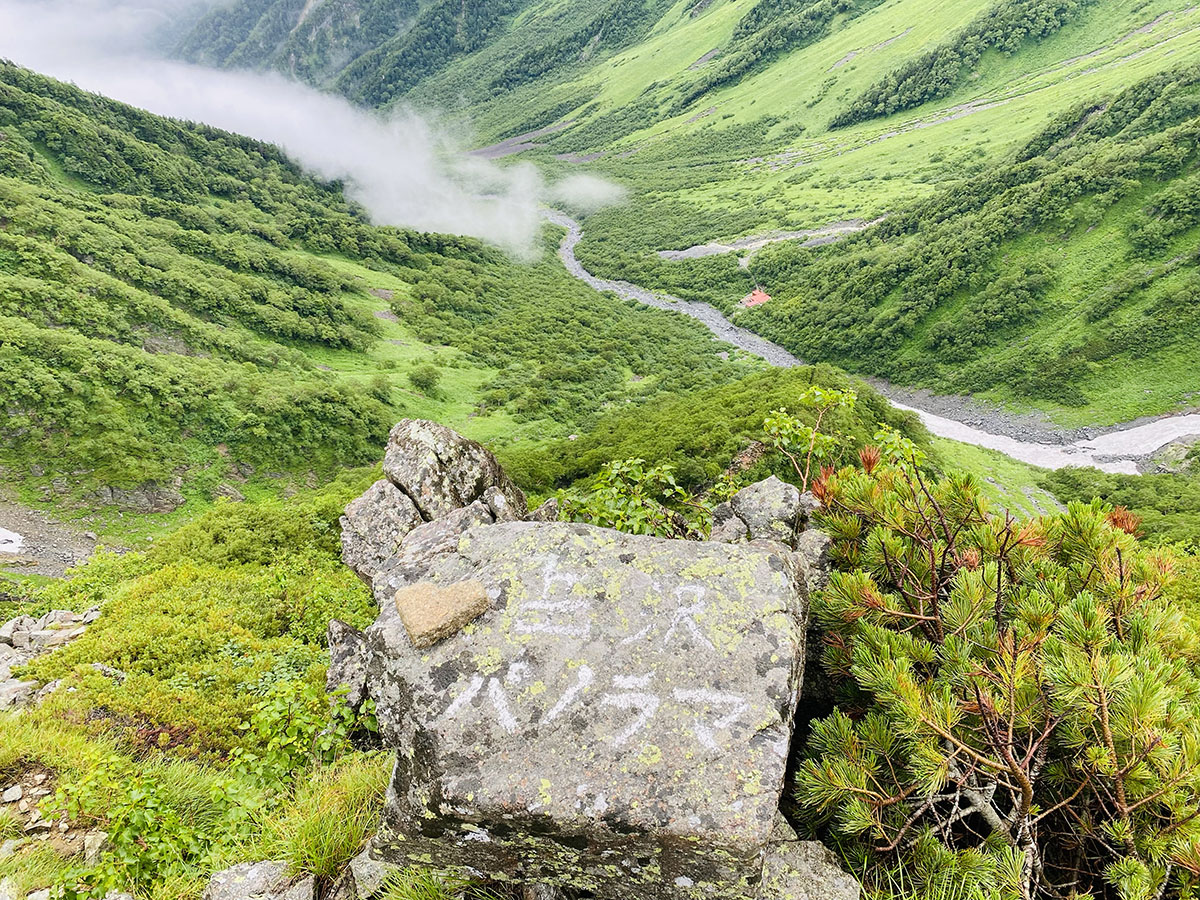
[
  {"x": 425, "y": 378},
  {"x": 1026, "y": 693}
]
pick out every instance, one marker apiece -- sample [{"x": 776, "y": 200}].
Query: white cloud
[{"x": 400, "y": 167}]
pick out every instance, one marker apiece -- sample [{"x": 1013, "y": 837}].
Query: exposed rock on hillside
[
  {"x": 431, "y": 472},
  {"x": 441, "y": 471},
  {"x": 23, "y": 638},
  {"x": 591, "y": 710},
  {"x": 618, "y": 720}
]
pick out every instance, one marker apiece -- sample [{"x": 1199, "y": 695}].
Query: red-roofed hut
[{"x": 756, "y": 297}]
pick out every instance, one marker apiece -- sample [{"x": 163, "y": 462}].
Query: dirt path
[
  {"x": 1030, "y": 439},
  {"x": 32, "y": 543}
]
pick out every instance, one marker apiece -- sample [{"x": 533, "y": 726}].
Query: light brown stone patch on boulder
[{"x": 433, "y": 612}]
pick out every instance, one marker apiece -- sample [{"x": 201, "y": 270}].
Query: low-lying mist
[{"x": 401, "y": 167}]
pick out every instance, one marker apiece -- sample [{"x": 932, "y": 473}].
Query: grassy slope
[
  {"x": 91, "y": 254},
  {"x": 758, "y": 155}
]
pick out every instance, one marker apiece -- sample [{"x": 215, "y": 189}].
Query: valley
[
  {"x": 1118, "y": 449},
  {"x": 399, "y": 502}
]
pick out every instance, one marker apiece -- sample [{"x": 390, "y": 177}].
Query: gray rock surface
[
  {"x": 374, "y": 525},
  {"x": 547, "y": 512},
  {"x": 771, "y": 510},
  {"x": 151, "y": 497},
  {"x": 804, "y": 870},
  {"x": 23, "y": 638},
  {"x": 813, "y": 547},
  {"x": 368, "y": 875},
  {"x": 258, "y": 881},
  {"x": 617, "y": 722},
  {"x": 347, "y": 662},
  {"x": 440, "y": 470},
  {"x": 727, "y": 527},
  {"x": 423, "y": 544}
]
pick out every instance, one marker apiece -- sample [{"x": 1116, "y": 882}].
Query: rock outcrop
[
  {"x": 23, "y": 638},
  {"x": 617, "y": 721},
  {"x": 441, "y": 471},
  {"x": 581, "y": 708},
  {"x": 431, "y": 472}
]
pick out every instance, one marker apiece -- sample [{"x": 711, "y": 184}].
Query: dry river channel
[{"x": 1119, "y": 448}]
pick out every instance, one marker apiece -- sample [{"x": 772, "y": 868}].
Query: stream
[{"x": 1118, "y": 450}]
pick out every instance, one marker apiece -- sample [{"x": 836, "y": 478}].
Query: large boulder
[
  {"x": 374, "y": 525},
  {"x": 441, "y": 471},
  {"x": 616, "y": 722}
]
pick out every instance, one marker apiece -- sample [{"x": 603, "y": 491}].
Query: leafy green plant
[
  {"x": 1023, "y": 691},
  {"x": 161, "y": 823},
  {"x": 802, "y": 443},
  {"x": 636, "y": 498},
  {"x": 294, "y": 727}
]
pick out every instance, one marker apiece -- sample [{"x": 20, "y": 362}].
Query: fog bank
[{"x": 401, "y": 167}]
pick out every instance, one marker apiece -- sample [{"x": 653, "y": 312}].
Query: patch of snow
[{"x": 10, "y": 541}]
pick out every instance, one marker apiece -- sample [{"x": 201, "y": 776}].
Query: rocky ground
[{"x": 48, "y": 548}]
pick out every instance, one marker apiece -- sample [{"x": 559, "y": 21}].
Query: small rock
[
  {"x": 804, "y": 870},
  {"x": 56, "y": 617},
  {"x": 10, "y": 628},
  {"x": 16, "y": 693},
  {"x": 91, "y": 615},
  {"x": 433, "y": 612},
  {"x": 91, "y": 536},
  {"x": 8, "y": 889},
  {"x": 501, "y": 507},
  {"x": 43, "y": 894},
  {"x": 727, "y": 527},
  {"x": 246, "y": 881},
  {"x": 11, "y": 846},
  {"x": 771, "y": 510},
  {"x": 809, "y": 504},
  {"x": 229, "y": 492},
  {"x": 109, "y": 672},
  {"x": 369, "y": 875},
  {"x": 304, "y": 889},
  {"x": 95, "y": 844},
  {"x": 547, "y": 512},
  {"x": 39, "y": 825},
  {"x": 39, "y": 778},
  {"x": 49, "y": 637},
  {"x": 13, "y": 794},
  {"x": 118, "y": 895}
]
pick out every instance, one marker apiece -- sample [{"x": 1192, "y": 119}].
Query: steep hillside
[
  {"x": 758, "y": 121},
  {"x": 177, "y": 301}
]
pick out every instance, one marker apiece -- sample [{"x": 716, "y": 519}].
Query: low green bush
[{"x": 1020, "y": 700}]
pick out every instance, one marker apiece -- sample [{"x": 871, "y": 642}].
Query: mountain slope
[{"x": 178, "y": 301}]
